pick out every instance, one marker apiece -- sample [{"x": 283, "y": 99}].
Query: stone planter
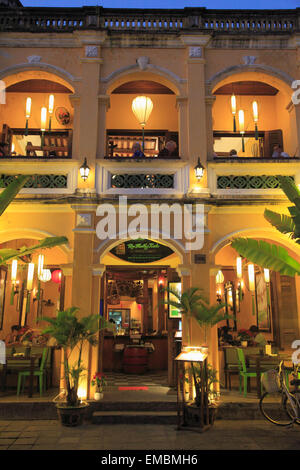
[{"x": 71, "y": 415}]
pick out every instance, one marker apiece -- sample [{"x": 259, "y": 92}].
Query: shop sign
[{"x": 141, "y": 251}]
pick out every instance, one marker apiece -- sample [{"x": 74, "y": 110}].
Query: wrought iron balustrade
[
  {"x": 50, "y": 181},
  {"x": 156, "y": 181},
  {"x": 248, "y": 182}
]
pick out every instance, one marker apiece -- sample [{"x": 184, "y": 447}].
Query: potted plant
[
  {"x": 99, "y": 381},
  {"x": 71, "y": 333},
  {"x": 244, "y": 337}
]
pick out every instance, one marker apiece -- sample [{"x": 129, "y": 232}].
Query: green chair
[
  {"x": 245, "y": 372},
  {"x": 40, "y": 373}
]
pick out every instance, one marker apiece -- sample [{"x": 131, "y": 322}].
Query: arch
[
  {"x": 35, "y": 234},
  {"x": 257, "y": 232},
  {"x": 106, "y": 245},
  {"x": 153, "y": 73},
  {"x": 19, "y": 72},
  {"x": 256, "y": 72}
]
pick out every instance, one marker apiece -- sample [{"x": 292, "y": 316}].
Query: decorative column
[
  {"x": 184, "y": 272},
  {"x": 103, "y": 107},
  {"x": 294, "y": 112},
  {"x": 75, "y": 102},
  {"x": 181, "y": 103},
  {"x": 209, "y": 101},
  {"x": 82, "y": 286}
]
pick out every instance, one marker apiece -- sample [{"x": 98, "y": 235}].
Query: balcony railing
[{"x": 70, "y": 19}]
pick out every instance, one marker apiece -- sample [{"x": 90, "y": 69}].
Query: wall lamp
[
  {"x": 199, "y": 170},
  {"x": 84, "y": 170}
]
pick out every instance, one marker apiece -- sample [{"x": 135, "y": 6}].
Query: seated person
[
  {"x": 137, "y": 150},
  {"x": 233, "y": 153},
  {"x": 259, "y": 338},
  {"x": 224, "y": 335},
  {"x": 14, "y": 336},
  {"x": 29, "y": 150},
  {"x": 278, "y": 152},
  {"x": 170, "y": 150},
  {"x": 4, "y": 149}
]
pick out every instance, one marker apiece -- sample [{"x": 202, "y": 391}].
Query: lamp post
[{"x": 142, "y": 108}]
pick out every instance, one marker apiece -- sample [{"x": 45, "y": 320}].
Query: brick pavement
[{"x": 224, "y": 435}]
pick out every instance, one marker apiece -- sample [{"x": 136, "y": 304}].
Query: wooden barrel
[{"x": 135, "y": 360}]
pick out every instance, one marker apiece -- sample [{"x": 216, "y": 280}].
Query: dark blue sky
[{"x": 226, "y": 4}]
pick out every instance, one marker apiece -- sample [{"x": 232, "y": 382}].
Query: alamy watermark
[
  {"x": 296, "y": 94},
  {"x": 2, "y": 92},
  {"x": 183, "y": 222}
]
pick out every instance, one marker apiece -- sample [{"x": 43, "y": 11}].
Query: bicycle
[{"x": 278, "y": 405}]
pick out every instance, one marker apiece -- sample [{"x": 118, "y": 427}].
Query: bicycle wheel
[
  {"x": 292, "y": 410},
  {"x": 272, "y": 407}
]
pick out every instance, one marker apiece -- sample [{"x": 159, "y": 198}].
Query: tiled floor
[{"x": 118, "y": 379}]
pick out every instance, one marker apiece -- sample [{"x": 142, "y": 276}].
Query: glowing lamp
[
  {"x": 14, "y": 269},
  {"x": 239, "y": 268},
  {"x": 242, "y": 127},
  {"x": 43, "y": 123},
  {"x": 233, "y": 111},
  {"x": 27, "y": 113},
  {"x": 267, "y": 275},
  {"x": 50, "y": 109},
  {"x": 40, "y": 264},
  {"x": 56, "y": 276},
  {"x": 255, "y": 117},
  {"x": 251, "y": 277},
  {"x": 45, "y": 275},
  {"x": 30, "y": 276},
  {"x": 84, "y": 170},
  {"x": 219, "y": 277},
  {"x": 199, "y": 170},
  {"x": 142, "y": 108}
]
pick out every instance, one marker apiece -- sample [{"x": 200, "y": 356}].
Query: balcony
[
  {"x": 156, "y": 20},
  {"x": 250, "y": 177}
]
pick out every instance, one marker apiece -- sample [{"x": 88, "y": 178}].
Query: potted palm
[{"x": 71, "y": 333}]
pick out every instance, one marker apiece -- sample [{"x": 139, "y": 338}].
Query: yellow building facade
[{"x": 190, "y": 62}]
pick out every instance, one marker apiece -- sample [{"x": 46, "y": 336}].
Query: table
[
  {"x": 259, "y": 358},
  {"x": 32, "y": 367}
]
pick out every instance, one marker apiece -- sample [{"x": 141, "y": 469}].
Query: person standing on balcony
[
  {"x": 170, "y": 150},
  {"x": 4, "y": 149},
  {"x": 137, "y": 150}
]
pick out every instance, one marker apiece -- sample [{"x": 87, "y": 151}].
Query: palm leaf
[
  {"x": 49, "y": 242},
  {"x": 267, "y": 255},
  {"x": 9, "y": 193},
  {"x": 290, "y": 189},
  {"x": 283, "y": 223}
]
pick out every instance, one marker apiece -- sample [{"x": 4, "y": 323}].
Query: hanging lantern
[
  {"x": 142, "y": 108},
  {"x": 40, "y": 264},
  {"x": 30, "y": 276},
  {"x": 233, "y": 111},
  {"x": 45, "y": 275},
  {"x": 14, "y": 269},
  {"x": 239, "y": 267},
  {"x": 56, "y": 276},
  {"x": 251, "y": 276},
  {"x": 43, "y": 123},
  {"x": 267, "y": 275}
]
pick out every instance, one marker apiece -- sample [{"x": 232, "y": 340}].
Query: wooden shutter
[{"x": 272, "y": 138}]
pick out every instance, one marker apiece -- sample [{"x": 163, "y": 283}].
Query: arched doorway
[{"x": 137, "y": 272}]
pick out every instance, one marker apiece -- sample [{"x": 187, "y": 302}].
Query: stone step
[{"x": 134, "y": 417}]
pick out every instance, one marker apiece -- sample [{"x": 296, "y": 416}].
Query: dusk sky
[{"x": 226, "y": 4}]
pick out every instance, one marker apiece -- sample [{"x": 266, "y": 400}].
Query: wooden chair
[
  {"x": 40, "y": 373},
  {"x": 231, "y": 364}
]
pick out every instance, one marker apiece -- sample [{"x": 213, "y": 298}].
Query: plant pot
[
  {"x": 98, "y": 396},
  {"x": 71, "y": 415},
  {"x": 244, "y": 344}
]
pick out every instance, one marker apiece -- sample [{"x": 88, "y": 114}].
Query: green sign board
[
  {"x": 174, "y": 312},
  {"x": 141, "y": 251}
]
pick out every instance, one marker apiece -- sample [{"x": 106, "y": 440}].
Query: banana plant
[
  {"x": 7, "y": 254},
  {"x": 268, "y": 255}
]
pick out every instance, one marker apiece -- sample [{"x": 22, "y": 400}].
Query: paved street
[{"x": 225, "y": 435}]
